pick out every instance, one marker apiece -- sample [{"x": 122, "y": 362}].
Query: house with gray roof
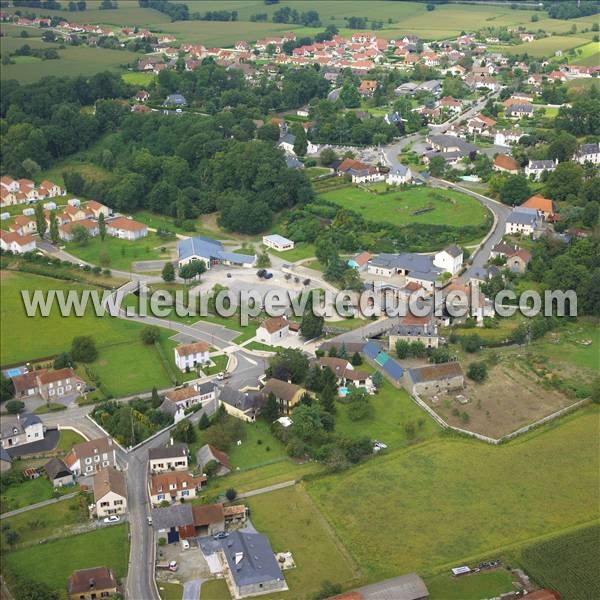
[
  {"x": 211, "y": 252},
  {"x": 415, "y": 267},
  {"x": 208, "y": 453},
  {"x": 435, "y": 379},
  {"x": 174, "y": 522},
  {"x": 399, "y": 175},
  {"x": 242, "y": 405},
  {"x": 58, "y": 473},
  {"x": 535, "y": 168},
  {"x": 175, "y": 100},
  {"x": 248, "y": 562},
  {"x": 286, "y": 143},
  {"x": 5, "y": 460},
  {"x": 523, "y": 221},
  {"x": 588, "y": 153},
  {"x": 26, "y": 429}
]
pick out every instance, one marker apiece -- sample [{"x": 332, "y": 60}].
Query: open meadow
[
  {"x": 449, "y": 500},
  {"x": 318, "y": 554},
  {"x": 546, "y": 47},
  {"x": 400, "y": 206},
  {"x": 53, "y": 562},
  {"x": 124, "y": 364},
  {"x": 74, "y": 60}
]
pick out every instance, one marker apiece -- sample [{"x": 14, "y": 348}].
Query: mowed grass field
[
  {"x": 124, "y": 364},
  {"x": 399, "y": 206},
  {"x": 121, "y": 253},
  {"x": 52, "y": 563},
  {"x": 392, "y": 411},
  {"x": 449, "y": 501},
  {"x": 301, "y": 529},
  {"x": 547, "y": 46},
  {"x": 74, "y": 60},
  {"x": 588, "y": 55}
]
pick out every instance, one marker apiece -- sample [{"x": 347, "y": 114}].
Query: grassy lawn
[
  {"x": 170, "y": 591},
  {"x": 451, "y": 500},
  {"x": 252, "y": 479},
  {"x": 400, "y": 207},
  {"x": 312, "y": 172},
  {"x": 215, "y": 589},
  {"x": 29, "y": 492},
  {"x": 67, "y": 440},
  {"x": 136, "y": 78},
  {"x": 121, "y": 253},
  {"x": 53, "y": 563},
  {"x": 48, "y": 408},
  {"x": 124, "y": 364},
  {"x": 469, "y": 587},
  {"x": 48, "y": 521},
  {"x": 590, "y": 55},
  {"x": 298, "y": 252},
  {"x": 392, "y": 410},
  {"x": 251, "y": 453},
  {"x": 546, "y": 46},
  {"x": 220, "y": 364},
  {"x": 315, "y": 265},
  {"x": 74, "y": 60},
  {"x": 318, "y": 554}
]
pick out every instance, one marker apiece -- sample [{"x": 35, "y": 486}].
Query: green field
[
  {"x": 547, "y": 46},
  {"x": 392, "y": 410},
  {"x": 588, "y": 55},
  {"x": 398, "y": 206},
  {"x": 471, "y": 587},
  {"x": 74, "y": 60},
  {"x": 120, "y": 253},
  {"x": 124, "y": 365},
  {"x": 29, "y": 492},
  {"x": 300, "y": 251},
  {"x": 140, "y": 79},
  {"x": 448, "y": 501},
  {"x": 49, "y": 521},
  {"x": 567, "y": 563},
  {"x": 252, "y": 479},
  {"x": 304, "y": 532},
  {"x": 52, "y": 563}
]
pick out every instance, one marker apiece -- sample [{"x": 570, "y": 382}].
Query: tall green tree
[
  {"x": 40, "y": 219},
  {"x": 102, "y": 226},
  {"x": 54, "y": 234}
]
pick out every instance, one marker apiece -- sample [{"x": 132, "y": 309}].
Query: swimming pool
[{"x": 343, "y": 391}]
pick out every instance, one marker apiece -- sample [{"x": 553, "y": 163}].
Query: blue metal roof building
[{"x": 211, "y": 252}]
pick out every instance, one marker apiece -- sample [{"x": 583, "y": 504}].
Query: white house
[
  {"x": 523, "y": 221},
  {"x": 450, "y": 259},
  {"x": 91, "y": 456},
  {"x": 399, "y": 175},
  {"x": 170, "y": 458},
  {"x": 110, "y": 495},
  {"x": 173, "y": 487},
  {"x": 27, "y": 429},
  {"x": 15, "y": 243},
  {"x": 277, "y": 242},
  {"x": 189, "y": 356},
  {"x": 537, "y": 167},
  {"x": 588, "y": 153},
  {"x": 126, "y": 229},
  {"x": 177, "y": 401},
  {"x": 272, "y": 330}
]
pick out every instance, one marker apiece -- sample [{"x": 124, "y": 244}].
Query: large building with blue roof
[{"x": 211, "y": 252}]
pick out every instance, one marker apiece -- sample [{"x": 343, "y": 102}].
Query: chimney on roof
[{"x": 170, "y": 441}]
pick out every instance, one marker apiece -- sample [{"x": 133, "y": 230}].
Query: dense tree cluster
[
  {"x": 571, "y": 9},
  {"x": 570, "y": 267}
]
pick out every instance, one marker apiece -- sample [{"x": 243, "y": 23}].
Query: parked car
[
  {"x": 149, "y": 519},
  {"x": 306, "y": 282},
  {"x": 268, "y": 275},
  {"x": 112, "y": 519},
  {"x": 261, "y": 273},
  {"x": 221, "y": 535},
  {"x": 229, "y": 275},
  {"x": 185, "y": 545}
]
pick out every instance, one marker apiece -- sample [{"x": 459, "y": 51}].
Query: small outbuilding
[{"x": 58, "y": 473}]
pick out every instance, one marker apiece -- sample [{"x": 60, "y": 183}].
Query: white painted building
[
  {"x": 271, "y": 331},
  {"x": 110, "y": 495},
  {"x": 450, "y": 260},
  {"x": 277, "y": 242},
  {"x": 189, "y": 356}
]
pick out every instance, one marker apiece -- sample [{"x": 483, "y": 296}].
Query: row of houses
[{"x": 24, "y": 191}]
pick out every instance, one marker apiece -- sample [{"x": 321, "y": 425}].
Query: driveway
[
  {"x": 191, "y": 589},
  {"x": 46, "y": 445}
]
